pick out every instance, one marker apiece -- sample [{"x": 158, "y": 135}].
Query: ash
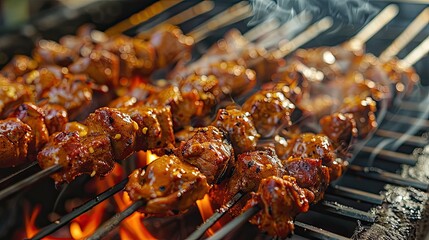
[{"x": 421, "y": 170}]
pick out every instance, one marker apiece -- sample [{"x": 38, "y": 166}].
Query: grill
[{"x": 382, "y": 195}]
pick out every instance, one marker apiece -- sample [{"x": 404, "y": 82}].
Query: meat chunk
[
  {"x": 341, "y": 129},
  {"x": 310, "y": 175},
  {"x": 42, "y": 80},
  {"x": 34, "y": 117},
  {"x": 120, "y": 128},
  {"x": 55, "y": 117},
  {"x": 240, "y": 128},
  {"x": 280, "y": 200},
  {"x": 50, "y": 52},
  {"x": 155, "y": 129},
  {"x": 18, "y": 66},
  {"x": 15, "y": 138},
  {"x": 310, "y": 145},
  {"x": 210, "y": 151},
  {"x": 12, "y": 94},
  {"x": 270, "y": 111},
  {"x": 363, "y": 110},
  {"x": 167, "y": 185},
  {"x": 88, "y": 155}
]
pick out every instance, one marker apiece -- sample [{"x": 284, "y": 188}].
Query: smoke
[{"x": 356, "y": 12}]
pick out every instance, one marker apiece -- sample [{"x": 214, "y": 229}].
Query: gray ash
[{"x": 421, "y": 170}]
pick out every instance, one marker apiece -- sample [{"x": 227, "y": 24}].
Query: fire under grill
[{"x": 383, "y": 193}]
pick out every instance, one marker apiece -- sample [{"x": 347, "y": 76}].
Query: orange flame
[
  {"x": 86, "y": 224},
  {"x": 30, "y": 223},
  {"x": 150, "y": 157},
  {"x": 206, "y": 211}
]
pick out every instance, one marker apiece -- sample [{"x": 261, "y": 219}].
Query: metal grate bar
[
  {"x": 355, "y": 194},
  {"x": 391, "y": 156},
  {"x": 345, "y": 211}
]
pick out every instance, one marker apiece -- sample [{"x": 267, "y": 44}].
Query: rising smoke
[{"x": 356, "y": 12}]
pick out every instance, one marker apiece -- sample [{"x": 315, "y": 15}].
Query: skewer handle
[
  {"x": 113, "y": 222},
  {"x": 406, "y": 36},
  {"x": 378, "y": 22},
  {"x": 414, "y": 56}
]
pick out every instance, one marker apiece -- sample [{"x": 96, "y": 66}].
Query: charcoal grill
[{"x": 382, "y": 195}]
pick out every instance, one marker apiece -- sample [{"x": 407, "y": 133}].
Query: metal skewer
[{"x": 13, "y": 175}]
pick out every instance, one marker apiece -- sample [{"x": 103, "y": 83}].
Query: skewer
[
  {"x": 345, "y": 211},
  {"x": 141, "y": 16},
  {"x": 391, "y": 155},
  {"x": 407, "y": 120},
  {"x": 406, "y": 36},
  {"x": 315, "y": 232},
  {"x": 113, "y": 222},
  {"x": 355, "y": 194},
  {"x": 31, "y": 165},
  {"x": 235, "y": 13},
  {"x": 302, "y": 38},
  {"x": 414, "y": 56},
  {"x": 80, "y": 210},
  {"x": 261, "y": 29},
  {"x": 379, "y": 174},
  {"x": 410, "y": 139},
  {"x": 28, "y": 181},
  {"x": 215, "y": 217}
]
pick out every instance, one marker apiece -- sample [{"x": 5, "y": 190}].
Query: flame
[
  {"x": 150, "y": 157},
  {"x": 206, "y": 211},
  {"x": 30, "y": 223},
  {"x": 86, "y": 224}
]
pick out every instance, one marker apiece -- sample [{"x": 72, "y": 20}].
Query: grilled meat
[
  {"x": 363, "y": 111},
  {"x": 15, "y": 138}
]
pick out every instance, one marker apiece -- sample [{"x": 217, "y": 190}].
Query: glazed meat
[
  {"x": 42, "y": 80},
  {"x": 11, "y": 95},
  {"x": 55, "y": 117},
  {"x": 73, "y": 93},
  {"x": 101, "y": 66},
  {"x": 34, "y": 117},
  {"x": 15, "y": 138},
  {"x": 119, "y": 127},
  {"x": 310, "y": 145},
  {"x": 18, "y": 66},
  {"x": 50, "y": 52},
  {"x": 341, "y": 129},
  {"x": 155, "y": 129},
  {"x": 310, "y": 175},
  {"x": 77, "y": 155},
  {"x": 210, "y": 151},
  {"x": 363, "y": 110},
  {"x": 270, "y": 111},
  {"x": 167, "y": 185},
  {"x": 280, "y": 200},
  {"x": 238, "y": 124}
]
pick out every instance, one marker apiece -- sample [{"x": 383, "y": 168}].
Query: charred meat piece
[
  {"x": 363, "y": 110},
  {"x": 101, "y": 66},
  {"x": 12, "y": 94},
  {"x": 155, "y": 128},
  {"x": 170, "y": 45},
  {"x": 167, "y": 185},
  {"x": 123, "y": 102},
  {"x": 270, "y": 111},
  {"x": 310, "y": 175},
  {"x": 15, "y": 138},
  {"x": 210, "y": 151},
  {"x": 206, "y": 87},
  {"x": 341, "y": 129},
  {"x": 34, "y": 117},
  {"x": 120, "y": 128},
  {"x": 88, "y": 155},
  {"x": 183, "y": 107},
  {"x": 42, "y": 80},
  {"x": 337, "y": 168},
  {"x": 18, "y": 66},
  {"x": 73, "y": 93},
  {"x": 55, "y": 117},
  {"x": 280, "y": 200},
  {"x": 240, "y": 128},
  {"x": 50, "y": 52},
  {"x": 310, "y": 145}
]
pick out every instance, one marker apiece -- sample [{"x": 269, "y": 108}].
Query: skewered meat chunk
[
  {"x": 280, "y": 199},
  {"x": 270, "y": 111},
  {"x": 55, "y": 117},
  {"x": 207, "y": 88},
  {"x": 120, "y": 128},
  {"x": 341, "y": 129},
  {"x": 310, "y": 145},
  {"x": 155, "y": 129},
  {"x": 50, "y": 52},
  {"x": 91, "y": 154},
  {"x": 123, "y": 102},
  {"x": 15, "y": 138},
  {"x": 210, "y": 151},
  {"x": 337, "y": 168},
  {"x": 73, "y": 93},
  {"x": 101, "y": 66},
  {"x": 18, "y": 66},
  {"x": 170, "y": 45},
  {"x": 363, "y": 110},
  {"x": 11, "y": 95},
  {"x": 167, "y": 185},
  {"x": 240, "y": 127},
  {"x": 183, "y": 107},
  {"x": 34, "y": 117},
  {"x": 310, "y": 175},
  {"x": 42, "y": 80}
]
